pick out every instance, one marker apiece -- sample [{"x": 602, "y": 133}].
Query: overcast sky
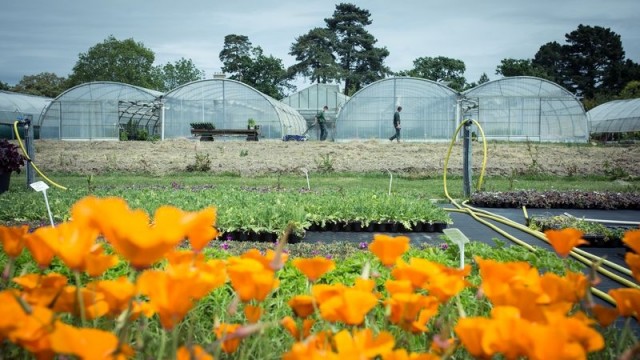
[{"x": 47, "y": 36}]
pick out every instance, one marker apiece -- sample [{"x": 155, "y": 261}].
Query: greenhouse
[
  {"x": 428, "y": 110},
  {"x": 15, "y": 106},
  {"x": 526, "y": 108},
  {"x": 102, "y": 111},
  {"x": 308, "y": 102},
  {"x": 619, "y": 116},
  {"x": 227, "y": 104}
]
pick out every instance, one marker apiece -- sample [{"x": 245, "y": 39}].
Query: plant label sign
[
  {"x": 457, "y": 237},
  {"x": 39, "y": 186}
]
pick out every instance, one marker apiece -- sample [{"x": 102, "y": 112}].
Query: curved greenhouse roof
[
  {"x": 101, "y": 110},
  {"x": 523, "y": 107},
  {"x": 16, "y": 106},
  {"x": 228, "y": 104},
  {"x": 310, "y": 101},
  {"x": 615, "y": 116},
  {"x": 428, "y": 110}
]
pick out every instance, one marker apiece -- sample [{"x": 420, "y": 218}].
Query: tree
[
  {"x": 519, "y": 67},
  {"x": 44, "y": 84},
  {"x": 550, "y": 60},
  {"x": 4, "y": 86},
  {"x": 592, "y": 55},
  {"x": 631, "y": 90},
  {"x": 181, "y": 72},
  {"x": 483, "y": 79},
  {"x": 441, "y": 69},
  {"x": 248, "y": 64},
  {"x": 123, "y": 61},
  {"x": 314, "y": 52},
  {"x": 361, "y": 62}
]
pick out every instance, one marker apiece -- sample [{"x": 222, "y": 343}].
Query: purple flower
[
  {"x": 329, "y": 257},
  {"x": 224, "y": 246},
  {"x": 444, "y": 246},
  {"x": 362, "y": 246},
  {"x": 229, "y": 237}
]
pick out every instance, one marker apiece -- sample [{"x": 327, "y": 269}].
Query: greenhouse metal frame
[
  {"x": 429, "y": 111},
  {"x": 101, "y": 110},
  {"x": 228, "y": 104},
  {"x": 525, "y": 108},
  {"x": 618, "y": 116}
]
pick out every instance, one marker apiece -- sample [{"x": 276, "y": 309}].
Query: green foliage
[
  {"x": 44, "y": 84},
  {"x": 325, "y": 163},
  {"x": 4, "y": 86},
  {"x": 202, "y": 163},
  {"x": 202, "y": 126},
  {"x": 244, "y": 152},
  {"x": 440, "y": 69},
  {"x": 181, "y": 72},
  {"x": 116, "y": 60},
  {"x": 360, "y": 60},
  {"x": 519, "y": 67},
  {"x": 248, "y": 64},
  {"x": 314, "y": 53}
]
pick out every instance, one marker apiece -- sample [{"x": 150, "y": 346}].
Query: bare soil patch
[{"x": 269, "y": 156}]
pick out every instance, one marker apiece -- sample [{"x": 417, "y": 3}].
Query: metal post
[
  {"x": 466, "y": 158},
  {"x": 28, "y": 135}
]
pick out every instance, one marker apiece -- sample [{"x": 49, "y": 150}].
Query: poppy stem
[
  {"x": 83, "y": 317},
  {"x": 7, "y": 273},
  {"x": 163, "y": 342},
  {"x": 174, "y": 342}
]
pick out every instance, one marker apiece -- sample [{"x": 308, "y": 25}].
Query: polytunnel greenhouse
[
  {"x": 526, "y": 108},
  {"x": 428, "y": 110},
  {"x": 227, "y": 104},
  {"x": 308, "y": 102},
  {"x": 15, "y": 106},
  {"x": 619, "y": 116},
  {"x": 102, "y": 111}
]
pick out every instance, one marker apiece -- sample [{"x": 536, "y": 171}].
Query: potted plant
[
  {"x": 251, "y": 124},
  {"x": 10, "y": 160}
]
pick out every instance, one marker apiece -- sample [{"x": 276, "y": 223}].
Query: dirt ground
[{"x": 268, "y": 156}]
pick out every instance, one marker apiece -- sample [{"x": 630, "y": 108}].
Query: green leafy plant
[
  {"x": 251, "y": 123},
  {"x": 10, "y": 158},
  {"x": 325, "y": 164},
  {"x": 244, "y": 152},
  {"x": 202, "y": 163}
]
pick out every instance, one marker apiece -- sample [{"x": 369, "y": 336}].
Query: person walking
[
  {"x": 320, "y": 119},
  {"x": 396, "y": 125}
]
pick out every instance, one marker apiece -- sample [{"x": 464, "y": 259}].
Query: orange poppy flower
[
  {"x": 94, "y": 304},
  {"x": 292, "y": 327},
  {"x": 401, "y": 354},
  {"x": 272, "y": 260},
  {"x": 314, "y": 348},
  {"x": 471, "y": 331},
  {"x": 349, "y": 307},
  {"x": 70, "y": 242},
  {"x": 200, "y": 228},
  {"x": 250, "y": 279},
  {"x": 627, "y": 301},
  {"x": 12, "y": 239},
  {"x": 41, "y": 289},
  {"x": 302, "y": 305},
  {"x": 252, "y": 313},
  {"x": 398, "y": 287},
  {"x": 194, "y": 352},
  {"x": 40, "y": 251},
  {"x": 225, "y": 333},
  {"x": 88, "y": 343},
  {"x": 633, "y": 260},
  {"x": 388, "y": 249},
  {"x": 411, "y": 311},
  {"x": 604, "y": 315},
  {"x": 116, "y": 293},
  {"x": 33, "y": 332},
  {"x": 11, "y": 312},
  {"x": 363, "y": 344},
  {"x": 314, "y": 268},
  {"x": 632, "y": 239},
  {"x": 563, "y": 241}
]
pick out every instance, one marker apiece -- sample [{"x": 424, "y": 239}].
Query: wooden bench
[{"x": 209, "y": 134}]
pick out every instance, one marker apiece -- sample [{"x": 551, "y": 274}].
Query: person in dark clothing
[
  {"x": 320, "y": 119},
  {"x": 396, "y": 125}
]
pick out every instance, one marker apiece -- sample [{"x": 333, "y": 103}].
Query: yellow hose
[
  {"x": 578, "y": 254},
  {"x": 15, "y": 129}
]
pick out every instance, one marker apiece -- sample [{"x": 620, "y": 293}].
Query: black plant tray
[
  {"x": 270, "y": 237},
  {"x": 387, "y": 226}
]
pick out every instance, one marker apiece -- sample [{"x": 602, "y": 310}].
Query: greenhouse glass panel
[
  {"x": 428, "y": 111},
  {"x": 527, "y": 108},
  {"x": 228, "y": 104},
  {"x": 101, "y": 111},
  {"x": 615, "y": 117},
  {"x": 16, "y": 106}
]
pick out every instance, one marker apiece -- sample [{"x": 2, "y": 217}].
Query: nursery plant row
[
  {"x": 558, "y": 199},
  {"x": 256, "y": 210}
]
